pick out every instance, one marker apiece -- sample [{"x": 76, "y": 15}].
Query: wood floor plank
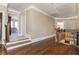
[{"x": 45, "y": 47}]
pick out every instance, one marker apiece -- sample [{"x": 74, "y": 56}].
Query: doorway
[
  {"x": 0, "y": 26},
  {"x": 12, "y": 27}
]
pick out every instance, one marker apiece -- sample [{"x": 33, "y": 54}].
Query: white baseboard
[{"x": 42, "y": 38}]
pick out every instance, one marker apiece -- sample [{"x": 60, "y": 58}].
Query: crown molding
[
  {"x": 4, "y": 4},
  {"x": 74, "y": 17},
  {"x": 13, "y": 10},
  {"x": 37, "y": 9}
]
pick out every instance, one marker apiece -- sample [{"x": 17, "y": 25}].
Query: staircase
[{"x": 19, "y": 42}]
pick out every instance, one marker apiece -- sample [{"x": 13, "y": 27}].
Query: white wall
[
  {"x": 28, "y": 22},
  {"x": 22, "y": 24},
  {"x": 3, "y": 9},
  {"x": 77, "y": 24},
  {"x": 38, "y": 24},
  {"x": 70, "y": 23}
]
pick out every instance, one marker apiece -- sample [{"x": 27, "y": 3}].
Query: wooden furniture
[
  {"x": 66, "y": 38},
  {"x": 67, "y": 35}
]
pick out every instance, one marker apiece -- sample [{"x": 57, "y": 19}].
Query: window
[{"x": 60, "y": 25}]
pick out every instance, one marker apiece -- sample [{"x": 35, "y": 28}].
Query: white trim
[
  {"x": 3, "y": 26},
  {"x": 17, "y": 42},
  {"x": 33, "y": 41},
  {"x": 0, "y": 41},
  {"x": 74, "y": 17},
  {"x": 37, "y": 9},
  {"x": 13, "y": 47},
  {"x": 29, "y": 8},
  {"x": 42, "y": 38},
  {"x": 4, "y": 4},
  {"x": 13, "y": 10}
]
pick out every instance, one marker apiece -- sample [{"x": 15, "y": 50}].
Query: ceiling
[{"x": 62, "y": 10}]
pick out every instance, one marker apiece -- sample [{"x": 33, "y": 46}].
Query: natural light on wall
[{"x": 60, "y": 25}]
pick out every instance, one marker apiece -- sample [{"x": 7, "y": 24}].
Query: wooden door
[
  {"x": 0, "y": 26},
  {"x": 8, "y": 29},
  {"x": 9, "y": 24}
]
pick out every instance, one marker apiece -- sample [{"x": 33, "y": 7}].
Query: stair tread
[
  {"x": 18, "y": 43},
  {"x": 14, "y": 42}
]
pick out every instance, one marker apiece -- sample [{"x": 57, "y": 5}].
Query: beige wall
[
  {"x": 70, "y": 23},
  {"x": 28, "y": 22},
  {"x": 77, "y": 24},
  {"x": 39, "y": 25},
  {"x": 3, "y": 9}
]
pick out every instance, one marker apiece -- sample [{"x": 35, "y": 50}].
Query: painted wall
[
  {"x": 70, "y": 23},
  {"x": 22, "y": 24},
  {"x": 28, "y": 22},
  {"x": 39, "y": 25},
  {"x": 77, "y": 24},
  {"x": 3, "y": 9}
]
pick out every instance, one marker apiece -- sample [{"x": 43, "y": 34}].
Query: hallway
[{"x": 31, "y": 28}]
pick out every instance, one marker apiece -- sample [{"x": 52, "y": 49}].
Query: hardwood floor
[
  {"x": 2, "y": 50},
  {"x": 61, "y": 50},
  {"x": 45, "y": 47},
  {"x": 34, "y": 48}
]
